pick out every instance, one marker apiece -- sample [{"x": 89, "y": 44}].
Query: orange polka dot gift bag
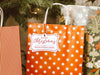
[{"x": 54, "y": 49}]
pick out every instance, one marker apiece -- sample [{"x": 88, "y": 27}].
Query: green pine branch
[{"x": 20, "y": 9}]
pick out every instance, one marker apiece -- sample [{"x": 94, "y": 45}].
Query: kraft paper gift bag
[
  {"x": 10, "y": 53},
  {"x": 54, "y": 49}
]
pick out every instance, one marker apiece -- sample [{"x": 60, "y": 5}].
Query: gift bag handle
[
  {"x": 46, "y": 14},
  {"x": 1, "y": 13}
]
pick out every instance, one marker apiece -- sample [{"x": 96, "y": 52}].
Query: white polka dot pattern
[{"x": 66, "y": 61}]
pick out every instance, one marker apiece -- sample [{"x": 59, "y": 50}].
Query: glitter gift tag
[{"x": 49, "y": 42}]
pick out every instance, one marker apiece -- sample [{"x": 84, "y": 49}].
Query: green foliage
[
  {"x": 20, "y": 9},
  {"x": 92, "y": 1}
]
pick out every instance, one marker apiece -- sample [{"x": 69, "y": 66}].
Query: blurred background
[{"x": 20, "y": 12}]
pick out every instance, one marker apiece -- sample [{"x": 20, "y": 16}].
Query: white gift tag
[{"x": 39, "y": 42}]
